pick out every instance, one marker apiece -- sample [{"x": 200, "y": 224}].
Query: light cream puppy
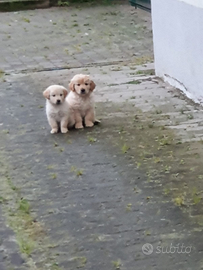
[
  {"x": 57, "y": 108},
  {"x": 81, "y": 101}
]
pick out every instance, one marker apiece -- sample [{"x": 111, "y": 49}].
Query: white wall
[{"x": 178, "y": 44}]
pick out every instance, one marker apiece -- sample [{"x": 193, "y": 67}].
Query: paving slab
[
  {"x": 66, "y": 37},
  {"x": 126, "y": 194},
  {"x": 97, "y": 196}
]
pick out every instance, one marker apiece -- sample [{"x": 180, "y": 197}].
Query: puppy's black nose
[
  {"x": 82, "y": 91},
  {"x": 58, "y": 101}
]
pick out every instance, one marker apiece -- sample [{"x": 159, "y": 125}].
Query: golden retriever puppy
[
  {"x": 81, "y": 101},
  {"x": 57, "y": 108}
]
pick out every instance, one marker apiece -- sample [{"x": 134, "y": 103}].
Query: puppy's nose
[
  {"x": 58, "y": 101},
  {"x": 82, "y": 91}
]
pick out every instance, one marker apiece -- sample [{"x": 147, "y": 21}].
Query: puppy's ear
[
  {"x": 46, "y": 94},
  {"x": 71, "y": 86},
  {"x": 65, "y": 92},
  {"x": 92, "y": 85}
]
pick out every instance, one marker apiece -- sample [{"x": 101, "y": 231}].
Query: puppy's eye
[
  {"x": 78, "y": 84},
  {"x": 86, "y": 83},
  {"x": 53, "y": 95},
  {"x": 61, "y": 95}
]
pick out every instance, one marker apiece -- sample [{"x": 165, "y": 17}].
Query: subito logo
[{"x": 147, "y": 249}]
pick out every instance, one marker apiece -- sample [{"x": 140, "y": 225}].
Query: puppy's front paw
[
  {"x": 78, "y": 126},
  {"x": 64, "y": 130},
  {"x": 89, "y": 124},
  {"x": 54, "y": 130}
]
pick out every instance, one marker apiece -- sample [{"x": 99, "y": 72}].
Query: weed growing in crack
[
  {"x": 116, "y": 264},
  {"x": 53, "y": 175},
  {"x": 92, "y": 139},
  {"x": 78, "y": 172},
  {"x": 125, "y": 148},
  {"x": 24, "y": 206}
]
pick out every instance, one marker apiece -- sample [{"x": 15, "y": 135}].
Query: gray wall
[{"x": 178, "y": 44}]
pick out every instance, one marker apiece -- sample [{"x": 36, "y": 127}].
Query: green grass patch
[
  {"x": 134, "y": 82},
  {"x": 24, "y": 206}
]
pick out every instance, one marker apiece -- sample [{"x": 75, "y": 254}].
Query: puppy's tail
[{"x": 97, "y": 122}]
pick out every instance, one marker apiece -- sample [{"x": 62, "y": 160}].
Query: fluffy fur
[
  {"x": 81, "y": 101},
  {"x": 57, "y": 108}
]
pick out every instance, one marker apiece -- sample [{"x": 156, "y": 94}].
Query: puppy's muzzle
[
  {"x": 82, "y": 91},
  {"x": 58, "y": 101}
]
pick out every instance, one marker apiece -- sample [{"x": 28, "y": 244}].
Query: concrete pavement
[{"x": 91, "y": 199}]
